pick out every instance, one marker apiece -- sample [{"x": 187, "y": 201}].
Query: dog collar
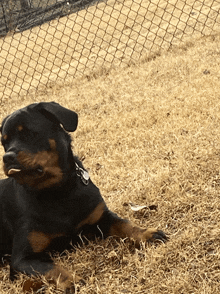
[{"x": 83, "y": 174}]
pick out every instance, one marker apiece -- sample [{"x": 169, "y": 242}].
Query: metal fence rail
[{"x": 47, "y": 41}]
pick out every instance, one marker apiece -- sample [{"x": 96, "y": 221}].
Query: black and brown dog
[{"x": 48, "y": 197}]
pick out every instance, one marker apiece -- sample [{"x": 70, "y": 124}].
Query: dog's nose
[{"x": 9, "y": 157}]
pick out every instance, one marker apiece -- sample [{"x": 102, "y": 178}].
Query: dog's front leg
[
  {"x": 29, "y": 257},
  {"x": 124, "y": 229}
]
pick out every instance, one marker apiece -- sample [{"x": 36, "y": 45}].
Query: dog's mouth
[
  {"x": 40, "y": 170},
  {"x": 18, "y": 171},
  {"x": 13, "y": 171}
]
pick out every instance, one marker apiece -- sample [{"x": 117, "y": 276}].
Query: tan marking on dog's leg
[
  {"x": 94, "y": 216},
  {"x": 32, "y": 285},
  {"x": 39, "y": 241},
  {"x": 57, "y": 275},
  {"x": 62, "y": 278},
  {"x": 124, "y": 229}
]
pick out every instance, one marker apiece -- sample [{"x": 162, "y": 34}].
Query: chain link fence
[{"x": 49, "y": 41}]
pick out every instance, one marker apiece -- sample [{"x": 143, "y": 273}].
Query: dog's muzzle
[{"x": 12, "y": 166}]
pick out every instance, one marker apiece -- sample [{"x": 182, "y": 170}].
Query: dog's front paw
[
  {"x": 152, "y": 235},
  {"x": 70, "y": 290},
  {"x": 64, "y": 280},
  {"x": 124, "y": 229},
  {"x": 31, "y": 285}
]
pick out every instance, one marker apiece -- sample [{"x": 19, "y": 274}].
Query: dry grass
[
  {"x": 149, "y": 134},
  {"x": 114, "y": 32}
]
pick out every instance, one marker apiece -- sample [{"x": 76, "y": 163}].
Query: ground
[
  {"x": 149, "y": 135},
  {"x": 110, "y": 33}
]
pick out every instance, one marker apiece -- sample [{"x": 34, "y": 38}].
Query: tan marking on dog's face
[
  {"x": 52, "y": 144},
  {"x": 39, "y": 241},
  {"x": 5, "y": 137},
  {"x": 94, "y": 217},
  {"x": 20, "y": 128},
  {"x": 48, "y": 161}
]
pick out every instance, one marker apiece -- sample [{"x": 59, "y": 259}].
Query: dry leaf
[{"x": 136, "y": 207}]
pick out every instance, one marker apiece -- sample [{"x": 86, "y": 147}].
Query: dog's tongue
[{"x": 13, "y": 171}]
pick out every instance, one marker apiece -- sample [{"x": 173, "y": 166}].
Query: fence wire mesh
[{"x": 47, "y": 41}]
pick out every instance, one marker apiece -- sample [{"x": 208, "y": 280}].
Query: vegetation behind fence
[{"x": 48, "y": 41}]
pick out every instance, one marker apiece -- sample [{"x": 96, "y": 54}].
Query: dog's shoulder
[
  {"x": 9, "y": 190},
  {"x": 7, "y": 185}
]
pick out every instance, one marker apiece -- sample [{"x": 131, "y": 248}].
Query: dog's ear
[{"x": 68, "y": 118}]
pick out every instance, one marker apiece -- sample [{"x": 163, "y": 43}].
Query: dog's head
[{"x": 37, "y": 145}]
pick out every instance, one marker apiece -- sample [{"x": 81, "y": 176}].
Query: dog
[{"x": 48, "y": 198}]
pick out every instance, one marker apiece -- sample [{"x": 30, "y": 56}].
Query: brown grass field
[
  {"x": 117, "y": 32},
  {"x": 149, "y": 135}
]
